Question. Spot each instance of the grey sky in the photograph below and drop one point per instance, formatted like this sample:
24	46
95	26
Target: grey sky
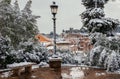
68	13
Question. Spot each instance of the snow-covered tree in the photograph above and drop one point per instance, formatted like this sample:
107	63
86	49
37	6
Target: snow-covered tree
94	55
5	48
29	21
20	28
93	18
111	62
6	17
105	51
8	22
16	8
18	25
103	55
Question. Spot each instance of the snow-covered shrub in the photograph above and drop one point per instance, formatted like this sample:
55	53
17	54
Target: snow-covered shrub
105	52
5	48
103	56
111	62
94	55
69	57
32	52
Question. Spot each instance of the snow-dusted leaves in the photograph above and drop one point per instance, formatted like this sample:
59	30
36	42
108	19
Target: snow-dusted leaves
111	62
105	52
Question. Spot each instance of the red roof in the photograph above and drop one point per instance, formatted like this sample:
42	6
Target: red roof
42	38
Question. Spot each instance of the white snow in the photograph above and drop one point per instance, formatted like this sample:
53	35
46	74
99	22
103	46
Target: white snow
103	55
33	76
112	62
19	64
2	70
117	72
50	47
65	75
35	66
94	12
94	51
100	74
55	57
118	34
43	64
68	42
96	21
69	65
75	73
6	74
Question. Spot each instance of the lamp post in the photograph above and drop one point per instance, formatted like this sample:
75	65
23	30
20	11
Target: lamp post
54	9
55	61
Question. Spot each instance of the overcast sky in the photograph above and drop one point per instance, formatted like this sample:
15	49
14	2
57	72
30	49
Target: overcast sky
68	13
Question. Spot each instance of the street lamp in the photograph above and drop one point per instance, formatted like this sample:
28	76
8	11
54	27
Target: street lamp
54	9
55	61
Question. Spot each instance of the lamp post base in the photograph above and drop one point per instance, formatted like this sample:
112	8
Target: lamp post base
55	62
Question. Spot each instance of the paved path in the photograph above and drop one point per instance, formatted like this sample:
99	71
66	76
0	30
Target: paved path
66	73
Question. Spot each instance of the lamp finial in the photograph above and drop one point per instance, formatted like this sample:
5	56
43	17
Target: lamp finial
53	2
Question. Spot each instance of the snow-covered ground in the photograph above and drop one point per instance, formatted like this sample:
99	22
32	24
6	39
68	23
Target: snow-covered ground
5	74
75	73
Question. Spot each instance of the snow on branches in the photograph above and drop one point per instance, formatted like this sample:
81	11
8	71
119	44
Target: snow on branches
105	52
92	3
93	18
20	28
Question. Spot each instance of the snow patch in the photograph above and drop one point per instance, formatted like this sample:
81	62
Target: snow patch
43	64
5	74
75	73
19	64
100	74
33	76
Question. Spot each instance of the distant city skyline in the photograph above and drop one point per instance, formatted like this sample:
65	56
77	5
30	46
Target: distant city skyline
68	13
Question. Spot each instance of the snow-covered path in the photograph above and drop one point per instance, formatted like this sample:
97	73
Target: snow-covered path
68	72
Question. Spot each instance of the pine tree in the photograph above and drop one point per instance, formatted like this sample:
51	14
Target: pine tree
93	18
5	48
105	51
7	20
29	21
16	8
20	27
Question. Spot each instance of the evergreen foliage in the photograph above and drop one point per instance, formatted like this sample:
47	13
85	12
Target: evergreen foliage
5	48
18	25
105	52
17	34
93	18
